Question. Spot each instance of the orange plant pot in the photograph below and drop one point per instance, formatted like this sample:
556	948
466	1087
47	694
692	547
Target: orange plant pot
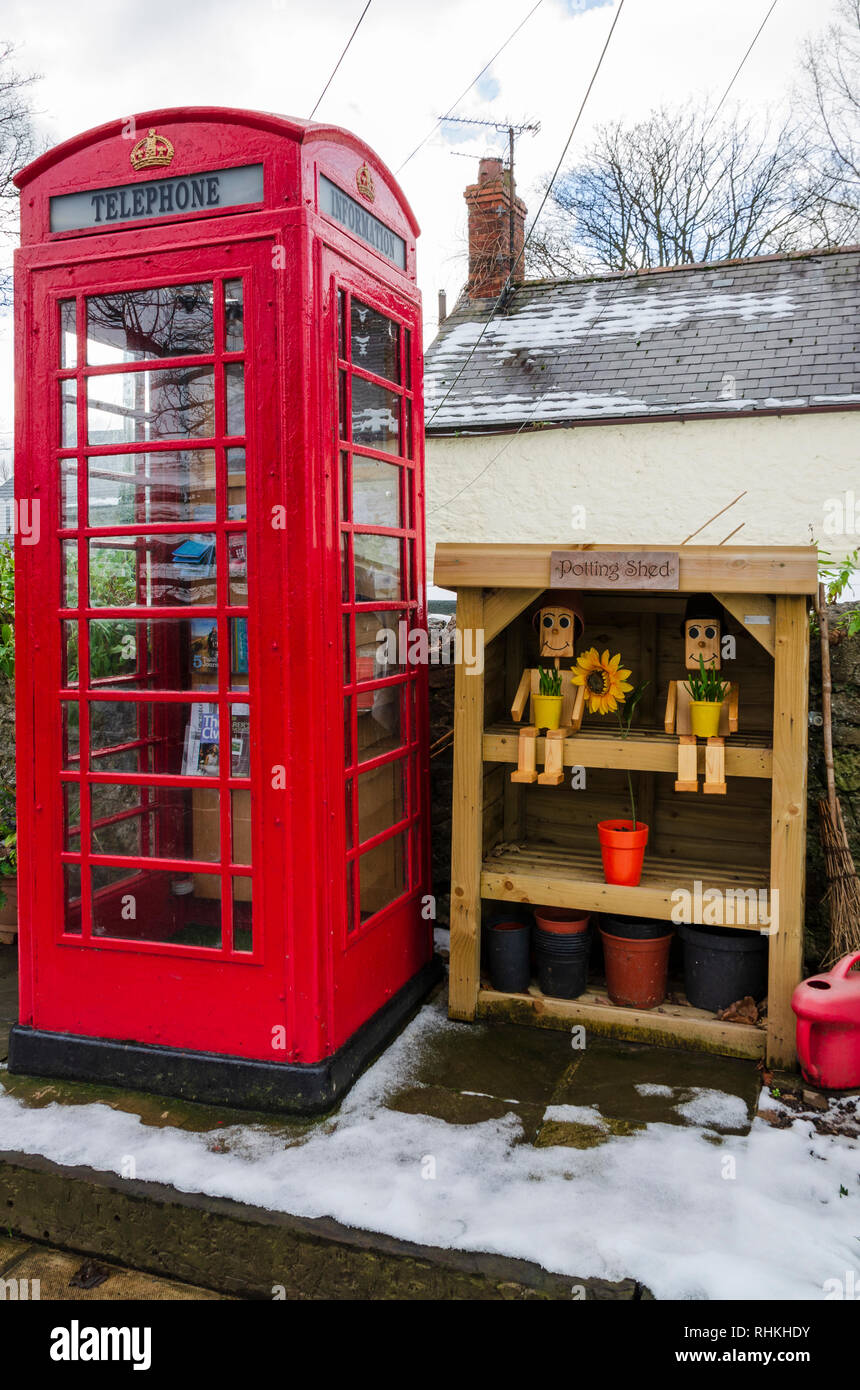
623	849
636	969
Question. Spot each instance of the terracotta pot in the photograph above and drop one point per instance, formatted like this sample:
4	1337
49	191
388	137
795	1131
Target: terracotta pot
705	717
561	921
623	849
9	910
636	969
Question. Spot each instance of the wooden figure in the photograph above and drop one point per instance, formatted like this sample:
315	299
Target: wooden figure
557	617
703	624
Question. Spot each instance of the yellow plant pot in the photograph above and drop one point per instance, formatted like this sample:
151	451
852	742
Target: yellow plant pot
547	710
705	717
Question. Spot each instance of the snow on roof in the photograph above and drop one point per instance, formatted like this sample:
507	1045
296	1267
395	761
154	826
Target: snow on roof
772	333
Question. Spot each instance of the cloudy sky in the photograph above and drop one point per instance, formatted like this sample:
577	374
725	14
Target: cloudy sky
411	59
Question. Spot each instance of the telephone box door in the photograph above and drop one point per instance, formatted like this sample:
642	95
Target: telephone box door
152	920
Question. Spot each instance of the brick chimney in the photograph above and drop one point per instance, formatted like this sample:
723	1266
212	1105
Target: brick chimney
489	204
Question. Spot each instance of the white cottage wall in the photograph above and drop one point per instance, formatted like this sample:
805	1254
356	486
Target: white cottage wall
652	483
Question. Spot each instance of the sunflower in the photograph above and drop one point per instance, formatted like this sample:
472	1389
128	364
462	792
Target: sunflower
605	681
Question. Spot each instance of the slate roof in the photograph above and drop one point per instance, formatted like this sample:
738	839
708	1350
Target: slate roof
767	334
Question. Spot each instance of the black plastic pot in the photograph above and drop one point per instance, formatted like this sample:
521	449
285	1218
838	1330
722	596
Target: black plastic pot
722	965
562	963
636	928
508	948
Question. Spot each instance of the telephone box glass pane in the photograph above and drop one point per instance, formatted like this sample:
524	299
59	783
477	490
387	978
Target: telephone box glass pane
381	799
240	814
152	571
72	899
234	316
118	736
153	654
375	492
133	325
69	653
237	507
144	736
237	553
234	382
344	567
382	875
243	929
68	334
375	342
161	905
377	568
69	413
240	741
71	735
375	416
72	816
239	653
377	644
160	822
136	407
70	574
130	489
379	721
68	494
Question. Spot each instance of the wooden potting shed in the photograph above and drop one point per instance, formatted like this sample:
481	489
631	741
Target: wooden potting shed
538	845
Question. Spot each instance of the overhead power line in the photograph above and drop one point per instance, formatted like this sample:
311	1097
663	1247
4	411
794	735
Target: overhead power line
739	68
465	92
340	60
591	327
549	188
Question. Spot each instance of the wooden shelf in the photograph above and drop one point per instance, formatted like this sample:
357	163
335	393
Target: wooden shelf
545	875
669	1025
645	750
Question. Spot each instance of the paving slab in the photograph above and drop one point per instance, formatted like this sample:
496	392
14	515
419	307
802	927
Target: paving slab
459	1108
499	1060
631	1085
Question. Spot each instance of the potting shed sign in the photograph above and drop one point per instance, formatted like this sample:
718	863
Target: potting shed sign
614	569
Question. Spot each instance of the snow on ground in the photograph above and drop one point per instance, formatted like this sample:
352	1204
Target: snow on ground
688	1212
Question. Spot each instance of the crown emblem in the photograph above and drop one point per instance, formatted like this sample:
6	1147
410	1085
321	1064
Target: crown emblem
151	152
364	183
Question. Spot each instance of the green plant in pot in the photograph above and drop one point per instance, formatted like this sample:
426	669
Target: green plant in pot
707	691
548	699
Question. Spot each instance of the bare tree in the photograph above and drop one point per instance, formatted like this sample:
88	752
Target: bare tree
679	188
832	68
17	147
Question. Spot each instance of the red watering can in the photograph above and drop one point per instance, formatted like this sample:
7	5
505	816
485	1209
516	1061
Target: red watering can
828	1026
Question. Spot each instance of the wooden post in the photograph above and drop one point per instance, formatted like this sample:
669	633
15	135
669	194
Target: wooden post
788	822
466	820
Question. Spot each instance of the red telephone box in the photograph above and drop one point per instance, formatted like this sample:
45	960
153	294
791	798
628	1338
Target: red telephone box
222	753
